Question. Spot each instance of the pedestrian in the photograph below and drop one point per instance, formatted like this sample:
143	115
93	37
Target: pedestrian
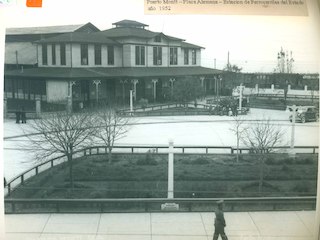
18	116
23	116
219	223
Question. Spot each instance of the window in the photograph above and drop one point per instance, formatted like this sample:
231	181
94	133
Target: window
97	54
157	55
194	57
186	56
84	54
157	38
173	56
110	55
63	54
140	55
53	48
44	54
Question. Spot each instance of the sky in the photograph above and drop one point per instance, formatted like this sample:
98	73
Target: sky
252	41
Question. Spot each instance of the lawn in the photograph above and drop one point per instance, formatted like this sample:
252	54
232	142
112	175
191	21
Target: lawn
145	175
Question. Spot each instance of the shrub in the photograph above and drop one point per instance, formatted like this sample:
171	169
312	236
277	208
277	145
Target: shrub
285	168
148	160
143	102
304	161
200	161
301	187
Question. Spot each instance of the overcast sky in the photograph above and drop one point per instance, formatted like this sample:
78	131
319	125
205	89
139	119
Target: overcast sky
253	41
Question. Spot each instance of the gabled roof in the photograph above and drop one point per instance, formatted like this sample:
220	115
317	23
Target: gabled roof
50	29
130	23
78	37
122	32
189	45
127	72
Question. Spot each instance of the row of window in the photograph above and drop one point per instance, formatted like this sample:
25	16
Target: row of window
53	54
84	55
157	56
139	55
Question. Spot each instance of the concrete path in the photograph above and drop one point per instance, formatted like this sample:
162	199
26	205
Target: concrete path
159	226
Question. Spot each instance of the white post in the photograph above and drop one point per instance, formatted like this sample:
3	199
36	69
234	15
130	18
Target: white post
293	129
131	101
305	88
289	87
170	170
272	87
97	83
154	81
257	88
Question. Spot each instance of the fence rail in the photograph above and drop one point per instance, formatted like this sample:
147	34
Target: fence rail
154	204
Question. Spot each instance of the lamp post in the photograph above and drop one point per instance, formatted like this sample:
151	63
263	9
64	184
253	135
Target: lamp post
97	83
293	123
69	98
154	81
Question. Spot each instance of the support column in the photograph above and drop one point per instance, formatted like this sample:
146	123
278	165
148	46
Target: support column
203	85
123	82
97	83
38	107
154	81
172	80
5	108
171	170
134	82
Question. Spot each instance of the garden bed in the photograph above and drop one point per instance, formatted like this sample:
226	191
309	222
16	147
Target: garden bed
145	175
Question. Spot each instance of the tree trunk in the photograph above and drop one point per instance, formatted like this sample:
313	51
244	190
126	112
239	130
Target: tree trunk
70	170
109	155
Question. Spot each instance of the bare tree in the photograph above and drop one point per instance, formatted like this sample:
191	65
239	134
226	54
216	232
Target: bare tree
238	128
262	137
112	127
61	133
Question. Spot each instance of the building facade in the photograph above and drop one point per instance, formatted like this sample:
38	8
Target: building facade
94	66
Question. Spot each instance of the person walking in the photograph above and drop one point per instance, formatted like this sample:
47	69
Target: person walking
219	223
23	115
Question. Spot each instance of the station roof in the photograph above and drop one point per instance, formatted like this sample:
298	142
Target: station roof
123	72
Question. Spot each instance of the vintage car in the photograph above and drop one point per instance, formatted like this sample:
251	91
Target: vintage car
305	114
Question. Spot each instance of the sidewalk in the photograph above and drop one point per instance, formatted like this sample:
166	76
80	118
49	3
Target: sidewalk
159	226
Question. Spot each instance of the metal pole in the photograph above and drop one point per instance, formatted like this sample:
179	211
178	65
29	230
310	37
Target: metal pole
240	98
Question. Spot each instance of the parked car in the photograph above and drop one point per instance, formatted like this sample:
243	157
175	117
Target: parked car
305	114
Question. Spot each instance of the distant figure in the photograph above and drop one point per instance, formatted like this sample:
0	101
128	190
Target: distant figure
18	116
23	115
219	223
